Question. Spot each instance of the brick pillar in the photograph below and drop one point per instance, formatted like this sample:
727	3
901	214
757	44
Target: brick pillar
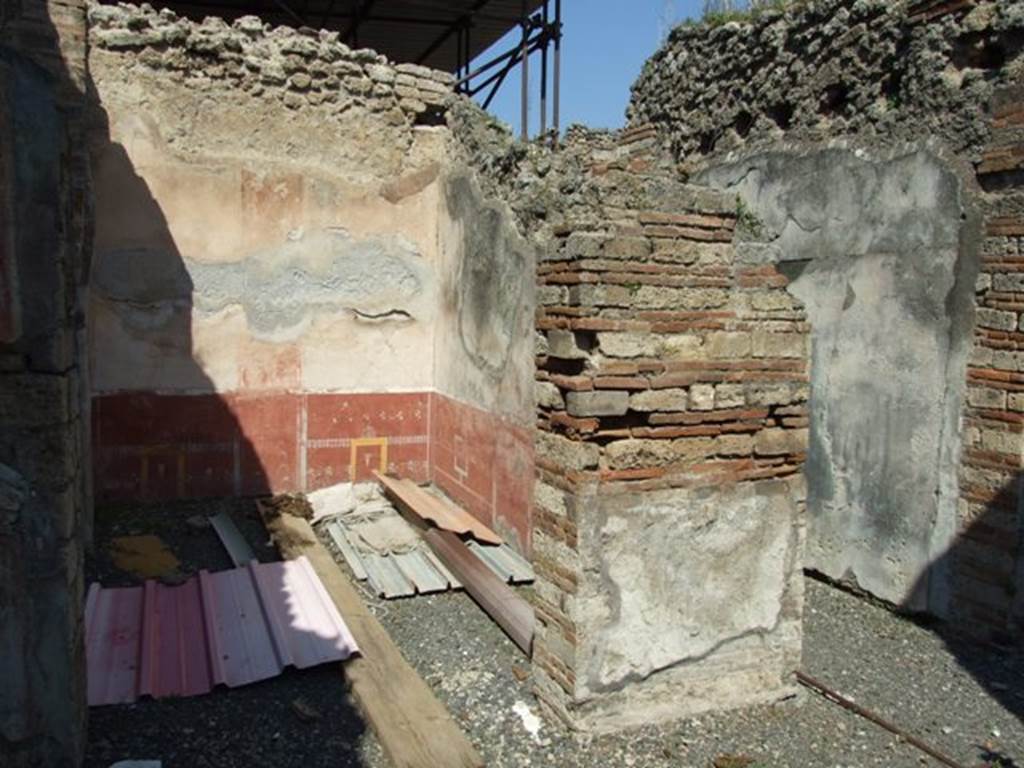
672	388
986	562
44	230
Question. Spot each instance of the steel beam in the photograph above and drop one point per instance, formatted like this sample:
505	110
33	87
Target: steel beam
444	36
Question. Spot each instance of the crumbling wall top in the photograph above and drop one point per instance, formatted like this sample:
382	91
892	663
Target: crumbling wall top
816	71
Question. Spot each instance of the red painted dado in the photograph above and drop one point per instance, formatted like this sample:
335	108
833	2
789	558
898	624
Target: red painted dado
485	463
156	447
159	447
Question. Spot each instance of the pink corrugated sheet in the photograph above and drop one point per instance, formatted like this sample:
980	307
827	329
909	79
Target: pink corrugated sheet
231	628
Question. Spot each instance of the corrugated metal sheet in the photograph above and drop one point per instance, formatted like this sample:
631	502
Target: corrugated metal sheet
385	577
232	628
404	574
504	561
234	542
417	569
340	538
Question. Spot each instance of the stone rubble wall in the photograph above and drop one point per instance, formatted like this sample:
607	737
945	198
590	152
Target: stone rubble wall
299	68
44	497
819	70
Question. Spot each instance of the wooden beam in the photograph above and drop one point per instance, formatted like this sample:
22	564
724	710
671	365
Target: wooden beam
443	37
511	612
414	728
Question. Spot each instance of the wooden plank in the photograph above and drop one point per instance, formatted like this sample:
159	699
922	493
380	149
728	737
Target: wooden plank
428	507
414	728
417	569
234	542
340	539
511	612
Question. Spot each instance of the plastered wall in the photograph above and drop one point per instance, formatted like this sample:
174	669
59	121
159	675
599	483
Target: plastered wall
876	150
281	247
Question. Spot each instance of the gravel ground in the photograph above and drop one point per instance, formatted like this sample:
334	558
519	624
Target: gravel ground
965	700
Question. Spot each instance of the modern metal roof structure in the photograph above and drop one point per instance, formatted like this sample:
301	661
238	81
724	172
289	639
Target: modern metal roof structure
442	34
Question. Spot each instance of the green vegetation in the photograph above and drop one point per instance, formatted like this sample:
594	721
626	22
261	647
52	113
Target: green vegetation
719	12
746	220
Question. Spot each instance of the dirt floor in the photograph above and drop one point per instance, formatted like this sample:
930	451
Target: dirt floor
965	700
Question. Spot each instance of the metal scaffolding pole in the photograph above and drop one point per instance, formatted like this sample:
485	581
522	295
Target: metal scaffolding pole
525	90
558	69
544	75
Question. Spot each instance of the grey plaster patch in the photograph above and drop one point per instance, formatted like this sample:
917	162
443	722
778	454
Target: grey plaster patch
683	575
490	293
836	203
877	252
280	289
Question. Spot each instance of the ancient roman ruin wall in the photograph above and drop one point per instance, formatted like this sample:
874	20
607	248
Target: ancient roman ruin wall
291	287
671	392
877	148
44	499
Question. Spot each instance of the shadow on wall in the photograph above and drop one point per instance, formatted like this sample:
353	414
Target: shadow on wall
157	275
986	600
188	461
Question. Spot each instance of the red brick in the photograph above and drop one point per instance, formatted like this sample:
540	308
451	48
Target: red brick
620	382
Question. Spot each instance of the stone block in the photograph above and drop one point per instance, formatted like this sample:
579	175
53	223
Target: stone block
997	319
616	344
647	454
566	453
778	442
640	454
702	397
584	244
986	397
727	345
730	396
606	402
783	393
548	395
680	346
788	345
627	248
674	399
562	344
734	445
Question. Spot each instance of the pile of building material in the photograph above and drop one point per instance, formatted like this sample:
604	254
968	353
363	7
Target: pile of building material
440	522
384	550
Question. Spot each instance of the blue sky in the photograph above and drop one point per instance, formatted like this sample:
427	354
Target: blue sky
604	44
